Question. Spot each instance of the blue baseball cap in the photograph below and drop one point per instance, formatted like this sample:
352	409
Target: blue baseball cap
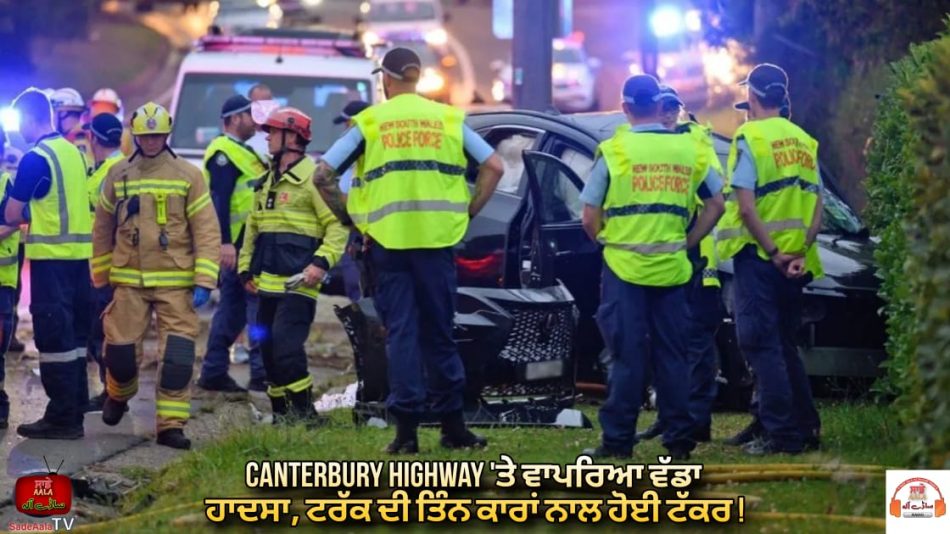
668	93
764	77
107	128
641	89
234	105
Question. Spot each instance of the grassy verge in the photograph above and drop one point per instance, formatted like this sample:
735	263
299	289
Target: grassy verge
852	434
116	53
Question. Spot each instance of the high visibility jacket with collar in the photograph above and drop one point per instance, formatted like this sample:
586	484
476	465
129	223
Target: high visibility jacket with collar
707	247
60	224
9	248
651	196
411	191
289	227
786	190
172	238
94	184
251	168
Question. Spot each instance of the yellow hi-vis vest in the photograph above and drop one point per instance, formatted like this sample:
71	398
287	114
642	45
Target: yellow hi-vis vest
707	247
411	191
94	183
650	199
60	225
786	190
9	268
251	167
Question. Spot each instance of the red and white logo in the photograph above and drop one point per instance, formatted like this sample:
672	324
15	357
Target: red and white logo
915	501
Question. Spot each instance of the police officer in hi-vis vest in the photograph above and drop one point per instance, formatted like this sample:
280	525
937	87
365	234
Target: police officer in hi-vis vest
703	294
772	219
232	170
638	203
51	180
410	199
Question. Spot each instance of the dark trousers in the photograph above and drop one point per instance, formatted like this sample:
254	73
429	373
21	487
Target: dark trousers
61	297
768	316
236	308
285	325
704	320
415	298
639	323
7	313
102	298
351	272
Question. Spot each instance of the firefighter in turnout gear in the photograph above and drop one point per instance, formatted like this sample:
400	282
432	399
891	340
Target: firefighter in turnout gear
156	241
291	240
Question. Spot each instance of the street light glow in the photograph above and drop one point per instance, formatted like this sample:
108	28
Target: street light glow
10	119
666	21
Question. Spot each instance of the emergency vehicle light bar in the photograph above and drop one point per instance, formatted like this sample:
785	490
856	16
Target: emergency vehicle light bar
280	45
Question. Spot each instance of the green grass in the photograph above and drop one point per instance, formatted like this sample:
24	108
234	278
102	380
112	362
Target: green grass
852	434
115	54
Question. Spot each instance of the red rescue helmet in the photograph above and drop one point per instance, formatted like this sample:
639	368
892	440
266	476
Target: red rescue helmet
287	118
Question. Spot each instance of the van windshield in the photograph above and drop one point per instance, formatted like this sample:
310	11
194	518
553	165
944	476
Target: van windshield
197	117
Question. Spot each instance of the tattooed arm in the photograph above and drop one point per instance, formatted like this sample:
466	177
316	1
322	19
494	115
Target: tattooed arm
327	184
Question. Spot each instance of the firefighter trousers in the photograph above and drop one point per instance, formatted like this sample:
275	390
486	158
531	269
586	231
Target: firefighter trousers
126	321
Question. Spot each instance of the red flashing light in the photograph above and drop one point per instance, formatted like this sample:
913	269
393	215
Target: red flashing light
280	45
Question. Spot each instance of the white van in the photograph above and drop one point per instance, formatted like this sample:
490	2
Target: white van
319	75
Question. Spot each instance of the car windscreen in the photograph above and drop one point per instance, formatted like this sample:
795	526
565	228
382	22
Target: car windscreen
197	117
401	11
568	55
838	217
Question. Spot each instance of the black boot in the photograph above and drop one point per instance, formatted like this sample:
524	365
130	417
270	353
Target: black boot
702	434
300	408
455	435
174	438
43	429
278	407
748	434
113	410
407	441
653	431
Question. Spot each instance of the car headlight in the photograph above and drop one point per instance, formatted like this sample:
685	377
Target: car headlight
437	37
312	3
371	38
498	90
430	82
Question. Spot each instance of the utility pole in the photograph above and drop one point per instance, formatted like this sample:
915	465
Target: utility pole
531	49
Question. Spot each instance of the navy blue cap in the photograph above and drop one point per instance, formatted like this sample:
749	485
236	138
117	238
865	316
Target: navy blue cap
764	77
641	89
398	61
351	110
107	127
668	93
234	105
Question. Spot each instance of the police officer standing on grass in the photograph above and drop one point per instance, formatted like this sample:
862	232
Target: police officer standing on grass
772	219
702	295
51	180
232	170
410	199
351	273
638	202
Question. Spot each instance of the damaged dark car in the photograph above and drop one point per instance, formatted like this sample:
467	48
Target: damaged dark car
529	284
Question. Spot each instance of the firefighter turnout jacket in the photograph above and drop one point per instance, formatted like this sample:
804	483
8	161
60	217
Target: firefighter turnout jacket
290	227
155	226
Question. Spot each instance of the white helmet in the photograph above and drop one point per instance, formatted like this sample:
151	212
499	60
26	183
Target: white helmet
107	96
67	99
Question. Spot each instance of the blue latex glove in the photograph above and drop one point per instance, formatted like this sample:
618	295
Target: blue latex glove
202	295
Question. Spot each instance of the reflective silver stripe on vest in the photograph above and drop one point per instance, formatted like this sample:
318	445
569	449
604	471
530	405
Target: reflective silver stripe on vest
404	206
774	226
58	239
60	357
412	165
10	260
60	192
650	248
710	274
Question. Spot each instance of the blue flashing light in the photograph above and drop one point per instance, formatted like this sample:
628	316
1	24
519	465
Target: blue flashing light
10	119
667	21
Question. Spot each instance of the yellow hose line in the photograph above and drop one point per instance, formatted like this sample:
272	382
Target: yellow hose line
772	476
735	468
872	522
